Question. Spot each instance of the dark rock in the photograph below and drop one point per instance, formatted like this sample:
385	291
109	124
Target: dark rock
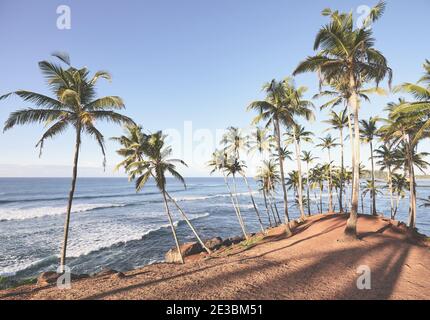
47	277
119	275
214	243
105	272
187	249
235	240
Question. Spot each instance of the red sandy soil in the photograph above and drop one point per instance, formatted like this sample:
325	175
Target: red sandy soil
312	264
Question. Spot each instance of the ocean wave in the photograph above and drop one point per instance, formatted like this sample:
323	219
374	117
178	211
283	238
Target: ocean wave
221	195
87	243
7	214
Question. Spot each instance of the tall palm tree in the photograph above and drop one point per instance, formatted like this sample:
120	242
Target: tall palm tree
400	185
339	121
297	134
268	176
219	163
283	102
155	163
387	162
328	143
234	167
308	158
234	141
373	190
403	130
74	105
368	132
317	177
347	54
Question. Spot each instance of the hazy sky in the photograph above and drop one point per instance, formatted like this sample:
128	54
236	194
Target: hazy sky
175	61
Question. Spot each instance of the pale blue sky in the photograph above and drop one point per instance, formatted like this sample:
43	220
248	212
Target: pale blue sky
174	61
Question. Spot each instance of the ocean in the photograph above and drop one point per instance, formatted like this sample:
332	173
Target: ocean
113	226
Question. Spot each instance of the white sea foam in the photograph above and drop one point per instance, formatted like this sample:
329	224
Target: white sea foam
85	240
31	213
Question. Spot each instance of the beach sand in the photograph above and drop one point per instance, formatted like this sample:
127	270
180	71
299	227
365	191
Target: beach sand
312	264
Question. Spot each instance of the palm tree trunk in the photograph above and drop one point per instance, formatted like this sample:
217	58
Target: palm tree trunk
299	170
281	169
342	169
238	207
253	202
166	206
308	189
239	218
373	181
390	187
69	205
351	225
321	202
189	223
412	197
267	208
330	187
276	210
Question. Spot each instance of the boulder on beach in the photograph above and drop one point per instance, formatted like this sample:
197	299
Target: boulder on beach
47	277
214	243
187	249
106	272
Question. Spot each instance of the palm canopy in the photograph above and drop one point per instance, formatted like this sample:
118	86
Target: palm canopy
283	102
261	141
369	129
308	157
345	52
75	103
328	142
298	133
155	162
387	158
419	109
235	141
337	120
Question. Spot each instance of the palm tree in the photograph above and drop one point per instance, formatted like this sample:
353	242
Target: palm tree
155	163
260	141
234	141
268	177
387	162
296	135
74	105
328	143
421	107
317	178
368	132
403	130
347	55
339	121
233	167
219	163
308	158
400	184
372	189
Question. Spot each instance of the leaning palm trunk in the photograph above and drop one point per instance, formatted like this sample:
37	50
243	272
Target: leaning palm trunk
308	190
239	218
253	202
351	225
281	169
299	170
189	223
373	181
412	197
321	202
238	207
390	187
69	205
267	208
172	226
342	171
330	185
